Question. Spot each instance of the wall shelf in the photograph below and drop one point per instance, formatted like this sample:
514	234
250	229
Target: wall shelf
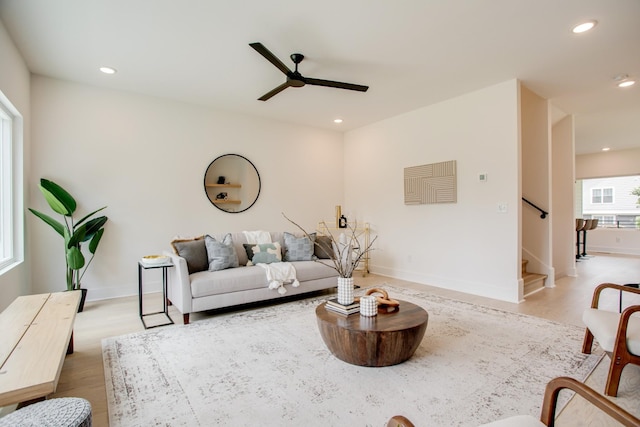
224	185
226	202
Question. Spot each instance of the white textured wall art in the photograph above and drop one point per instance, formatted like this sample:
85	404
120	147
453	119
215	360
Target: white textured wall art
434	183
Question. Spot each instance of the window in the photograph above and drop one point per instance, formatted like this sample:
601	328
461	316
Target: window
601	195
11	224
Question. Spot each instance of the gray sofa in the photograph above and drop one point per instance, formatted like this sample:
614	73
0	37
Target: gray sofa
193	288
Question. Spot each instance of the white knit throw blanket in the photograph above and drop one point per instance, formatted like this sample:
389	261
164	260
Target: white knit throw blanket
257	237
279	273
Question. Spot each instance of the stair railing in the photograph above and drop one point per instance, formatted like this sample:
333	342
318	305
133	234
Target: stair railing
543	213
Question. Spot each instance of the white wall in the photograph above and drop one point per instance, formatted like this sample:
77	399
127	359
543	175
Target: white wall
611	163
562	205
468	245
145	158
14	83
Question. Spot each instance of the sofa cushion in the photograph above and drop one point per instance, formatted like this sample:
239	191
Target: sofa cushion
263	253
313	270
221	255
322	249
194	251
231	280
298	248
206	283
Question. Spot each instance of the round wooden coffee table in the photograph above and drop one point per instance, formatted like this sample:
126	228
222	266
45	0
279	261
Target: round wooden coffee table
383	340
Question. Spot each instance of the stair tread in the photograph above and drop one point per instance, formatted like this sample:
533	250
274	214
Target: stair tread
533	275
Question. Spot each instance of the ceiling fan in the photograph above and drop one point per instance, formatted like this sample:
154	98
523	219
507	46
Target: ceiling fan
294	78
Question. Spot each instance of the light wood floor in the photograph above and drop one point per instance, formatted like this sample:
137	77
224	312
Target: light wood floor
83	374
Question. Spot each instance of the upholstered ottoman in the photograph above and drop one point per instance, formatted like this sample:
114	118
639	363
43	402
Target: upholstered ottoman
60	412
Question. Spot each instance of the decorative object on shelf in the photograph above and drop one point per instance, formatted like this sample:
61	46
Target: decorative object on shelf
236	169
433	183
348	252
345	290
342	223
368	306
74	232
383	300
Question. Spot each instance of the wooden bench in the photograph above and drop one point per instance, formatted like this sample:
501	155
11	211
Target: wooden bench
37	333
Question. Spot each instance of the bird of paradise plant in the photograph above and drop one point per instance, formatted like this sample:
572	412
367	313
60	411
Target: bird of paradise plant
74	232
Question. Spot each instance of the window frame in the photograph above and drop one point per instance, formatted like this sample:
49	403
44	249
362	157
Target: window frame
11	186
601	196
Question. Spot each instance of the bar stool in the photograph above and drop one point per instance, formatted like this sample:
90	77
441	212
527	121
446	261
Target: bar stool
591	226
579	227
587	226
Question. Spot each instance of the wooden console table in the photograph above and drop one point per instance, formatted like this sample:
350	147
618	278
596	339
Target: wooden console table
37	333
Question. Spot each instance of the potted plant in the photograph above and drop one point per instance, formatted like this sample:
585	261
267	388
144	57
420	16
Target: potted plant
347	254
74	232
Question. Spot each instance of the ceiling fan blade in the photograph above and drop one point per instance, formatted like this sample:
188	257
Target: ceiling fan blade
275	91
259	47
340	85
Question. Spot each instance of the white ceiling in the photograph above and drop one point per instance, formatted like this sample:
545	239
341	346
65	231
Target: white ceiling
411	53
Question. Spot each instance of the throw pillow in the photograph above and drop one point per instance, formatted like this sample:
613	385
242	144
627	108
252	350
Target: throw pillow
322	249
193	251
263	253
221	255
298	248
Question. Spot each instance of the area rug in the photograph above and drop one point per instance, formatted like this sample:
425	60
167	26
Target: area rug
269	367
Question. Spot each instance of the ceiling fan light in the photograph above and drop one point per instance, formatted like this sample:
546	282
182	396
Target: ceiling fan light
606	149
337	120
584	27
627	83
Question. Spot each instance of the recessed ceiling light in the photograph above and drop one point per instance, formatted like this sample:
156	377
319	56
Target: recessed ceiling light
108	70
606	149
627	83
337	121
585	26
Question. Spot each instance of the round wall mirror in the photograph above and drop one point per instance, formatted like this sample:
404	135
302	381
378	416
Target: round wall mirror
232	183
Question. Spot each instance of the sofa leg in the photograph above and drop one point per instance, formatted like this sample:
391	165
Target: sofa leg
169	302
185	318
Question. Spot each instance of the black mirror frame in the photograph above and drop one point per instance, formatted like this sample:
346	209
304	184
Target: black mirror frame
254	168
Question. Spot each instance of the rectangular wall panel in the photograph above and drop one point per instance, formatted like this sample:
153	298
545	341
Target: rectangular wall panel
433	183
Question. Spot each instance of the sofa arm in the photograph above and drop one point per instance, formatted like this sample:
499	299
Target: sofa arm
179	287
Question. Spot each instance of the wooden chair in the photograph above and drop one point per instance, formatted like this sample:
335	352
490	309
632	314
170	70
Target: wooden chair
549	404
617	333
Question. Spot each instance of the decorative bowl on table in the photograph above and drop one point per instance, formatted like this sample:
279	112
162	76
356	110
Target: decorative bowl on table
155	259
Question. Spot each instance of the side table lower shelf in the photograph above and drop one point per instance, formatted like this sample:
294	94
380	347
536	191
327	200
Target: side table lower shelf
165	309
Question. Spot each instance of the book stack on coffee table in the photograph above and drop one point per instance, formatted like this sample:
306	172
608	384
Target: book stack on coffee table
336	307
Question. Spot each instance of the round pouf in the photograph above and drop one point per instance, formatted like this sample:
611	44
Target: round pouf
59	412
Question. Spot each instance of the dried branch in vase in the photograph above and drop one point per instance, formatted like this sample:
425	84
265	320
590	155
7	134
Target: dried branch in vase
347	253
